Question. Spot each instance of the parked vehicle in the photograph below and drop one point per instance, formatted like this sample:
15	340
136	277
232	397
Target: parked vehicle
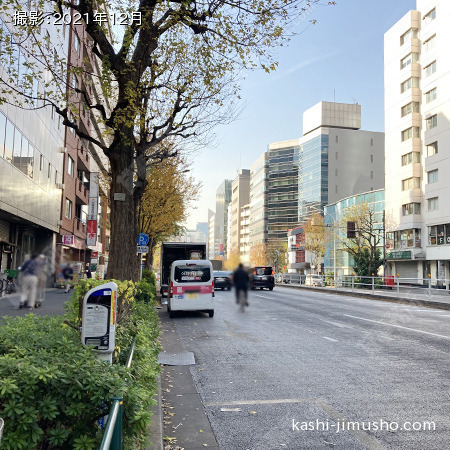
191	287
314	280
174	251
222	279
293	278
262	277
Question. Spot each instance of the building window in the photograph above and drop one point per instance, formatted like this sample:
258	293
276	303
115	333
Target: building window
430	69
371	174
70	166
429	43
412	33
410	132
429	17
68	209
431	122
430	95
336	172
74	82
371	143
410	183
432	149
411	208
433	204
409	83
433	176
337	139
77	44
411	157
41	162
409	59
49	172
371	158
410	108
336	156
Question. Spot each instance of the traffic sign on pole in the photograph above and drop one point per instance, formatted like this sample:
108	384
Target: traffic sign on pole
142	239
142	249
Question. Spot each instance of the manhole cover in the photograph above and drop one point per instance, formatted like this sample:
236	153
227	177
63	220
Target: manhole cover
176	359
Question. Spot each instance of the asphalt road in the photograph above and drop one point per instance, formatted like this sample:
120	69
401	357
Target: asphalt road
306	370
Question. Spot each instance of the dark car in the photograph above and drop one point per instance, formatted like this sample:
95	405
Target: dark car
222	280
262	277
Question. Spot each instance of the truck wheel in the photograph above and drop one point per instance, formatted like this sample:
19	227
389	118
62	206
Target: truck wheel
211	313
271	289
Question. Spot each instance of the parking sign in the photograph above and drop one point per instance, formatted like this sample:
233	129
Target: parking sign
142	239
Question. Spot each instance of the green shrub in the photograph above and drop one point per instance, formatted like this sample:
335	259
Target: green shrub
53	389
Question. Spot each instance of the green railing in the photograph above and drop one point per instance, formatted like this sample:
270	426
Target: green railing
112	437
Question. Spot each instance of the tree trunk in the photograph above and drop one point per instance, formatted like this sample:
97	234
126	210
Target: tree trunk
123	261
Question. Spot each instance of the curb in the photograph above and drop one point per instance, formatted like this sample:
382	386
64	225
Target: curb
156	427
379	297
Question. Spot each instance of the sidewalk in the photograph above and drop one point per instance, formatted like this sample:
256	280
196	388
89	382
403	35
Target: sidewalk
184	421
439	298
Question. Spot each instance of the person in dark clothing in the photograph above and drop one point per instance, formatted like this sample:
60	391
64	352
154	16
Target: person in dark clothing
240	282
68	276
88	271
30	270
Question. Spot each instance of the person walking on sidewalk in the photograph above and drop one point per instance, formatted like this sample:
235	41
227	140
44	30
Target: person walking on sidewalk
68	276
88	271
241	281
29	269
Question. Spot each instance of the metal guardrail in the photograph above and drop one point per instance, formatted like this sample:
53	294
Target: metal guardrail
112	437
432	286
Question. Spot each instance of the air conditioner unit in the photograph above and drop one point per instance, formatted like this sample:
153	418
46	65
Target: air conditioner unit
60	186
62	149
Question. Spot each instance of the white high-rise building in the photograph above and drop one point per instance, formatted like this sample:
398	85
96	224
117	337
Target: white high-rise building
417	116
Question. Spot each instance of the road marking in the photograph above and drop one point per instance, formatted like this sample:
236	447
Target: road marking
399	326
340	325
262	402
330	339
262	296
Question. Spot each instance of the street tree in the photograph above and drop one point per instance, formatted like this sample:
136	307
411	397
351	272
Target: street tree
277	255
169	192
170	69
365	245
233	259
258	255
317	238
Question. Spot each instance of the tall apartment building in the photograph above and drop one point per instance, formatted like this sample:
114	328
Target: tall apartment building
417	116
244	231
31	163
334	159
240	196
223	199
258	200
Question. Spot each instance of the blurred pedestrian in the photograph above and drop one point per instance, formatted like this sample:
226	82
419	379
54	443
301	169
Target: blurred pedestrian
88	271
68	276
30	270
241	281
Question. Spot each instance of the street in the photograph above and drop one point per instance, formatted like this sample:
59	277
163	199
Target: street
307	370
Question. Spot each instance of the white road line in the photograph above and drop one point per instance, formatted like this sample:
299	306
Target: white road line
329	339
340	325
399	326
262	296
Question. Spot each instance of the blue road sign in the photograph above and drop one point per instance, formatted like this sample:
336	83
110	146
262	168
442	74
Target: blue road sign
142	239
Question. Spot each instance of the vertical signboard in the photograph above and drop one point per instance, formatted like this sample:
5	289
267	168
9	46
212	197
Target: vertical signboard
91	235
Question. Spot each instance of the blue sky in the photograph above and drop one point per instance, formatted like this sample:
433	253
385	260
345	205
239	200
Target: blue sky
340	57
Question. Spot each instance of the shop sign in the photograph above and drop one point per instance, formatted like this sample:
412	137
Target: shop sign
401	254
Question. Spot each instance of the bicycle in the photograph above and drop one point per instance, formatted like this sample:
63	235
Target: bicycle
242	300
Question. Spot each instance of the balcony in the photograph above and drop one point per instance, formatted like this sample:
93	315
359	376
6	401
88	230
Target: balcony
79	228
82	191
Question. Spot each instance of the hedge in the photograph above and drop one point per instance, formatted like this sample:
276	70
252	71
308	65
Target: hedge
54	390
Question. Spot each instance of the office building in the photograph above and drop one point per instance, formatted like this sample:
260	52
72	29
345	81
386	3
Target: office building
223	199
240	196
